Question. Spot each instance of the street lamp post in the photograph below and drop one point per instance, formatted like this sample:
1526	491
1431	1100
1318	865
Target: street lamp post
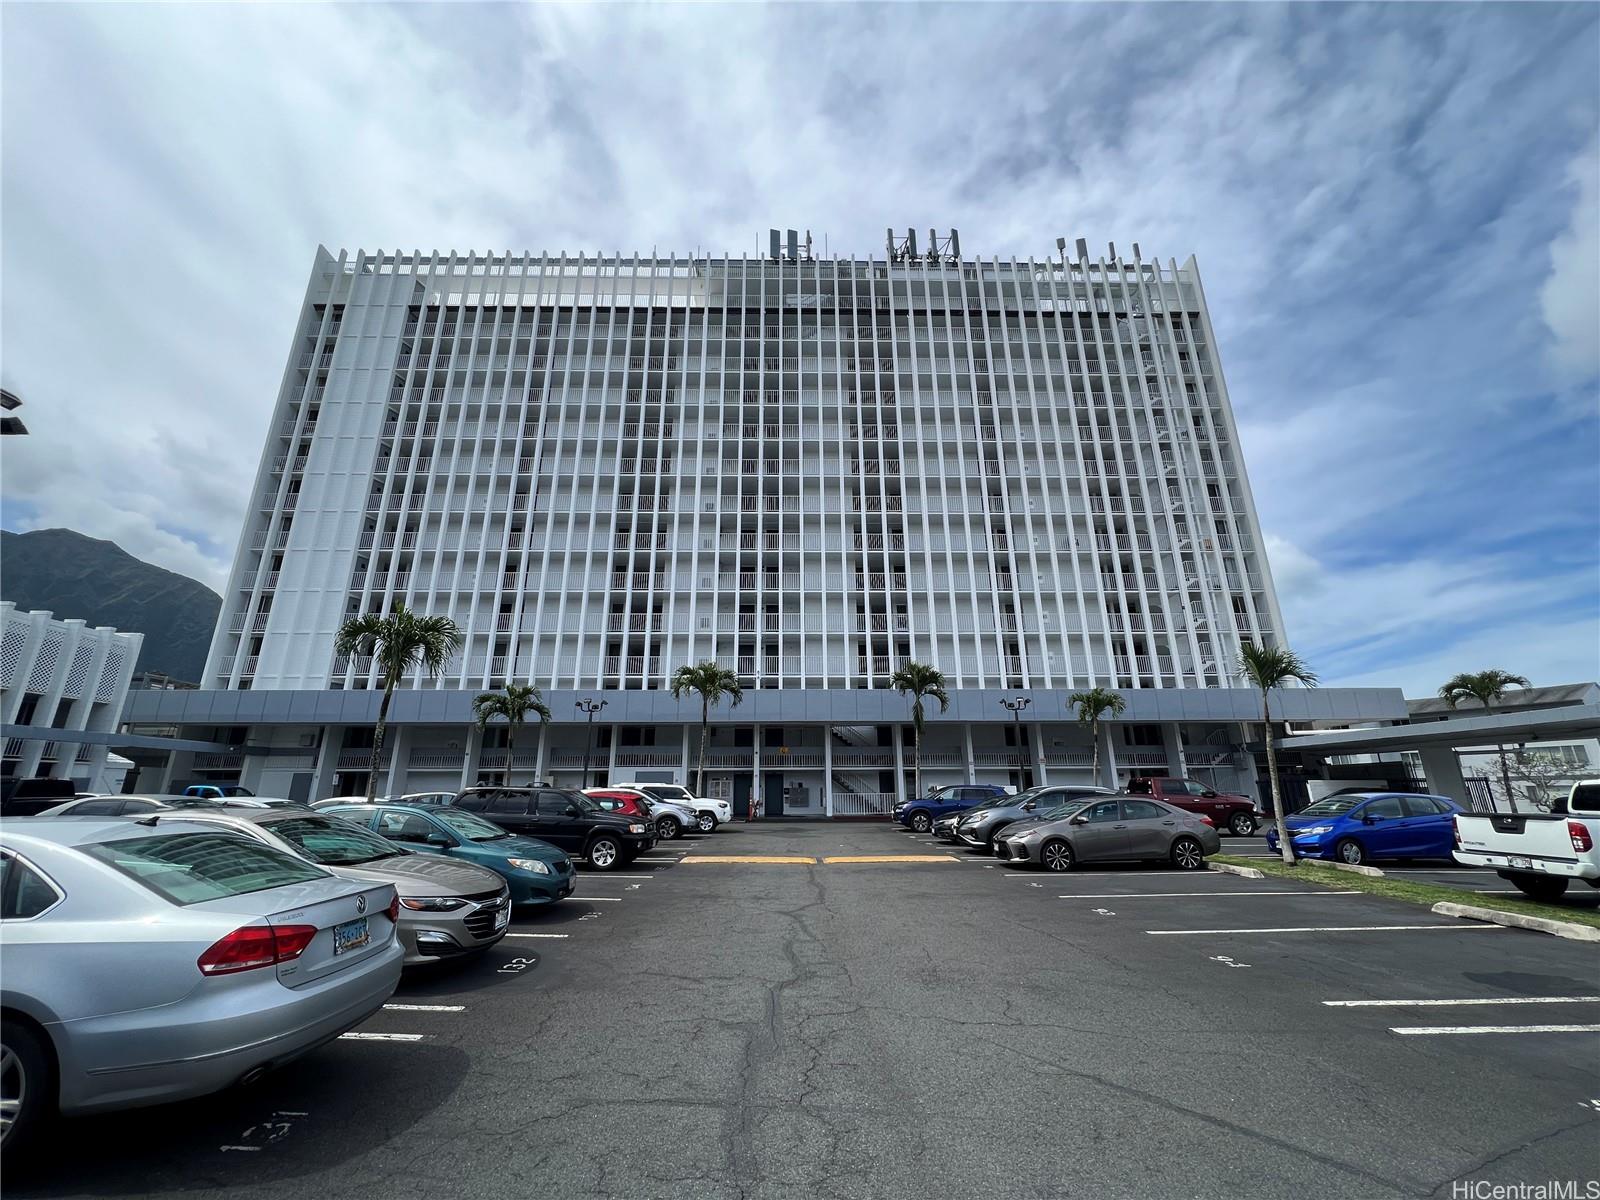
590	707
1016	706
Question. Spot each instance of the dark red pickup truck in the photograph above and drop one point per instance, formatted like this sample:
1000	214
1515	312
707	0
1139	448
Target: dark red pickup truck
1227	810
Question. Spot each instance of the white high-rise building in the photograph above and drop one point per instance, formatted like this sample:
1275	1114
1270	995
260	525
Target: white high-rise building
1025	473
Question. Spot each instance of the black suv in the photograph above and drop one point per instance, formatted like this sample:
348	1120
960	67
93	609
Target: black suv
563	818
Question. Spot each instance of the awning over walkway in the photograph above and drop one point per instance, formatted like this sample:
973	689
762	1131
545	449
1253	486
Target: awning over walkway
1482	729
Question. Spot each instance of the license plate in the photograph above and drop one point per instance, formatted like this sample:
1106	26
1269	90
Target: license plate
503	917
352	935
1516	860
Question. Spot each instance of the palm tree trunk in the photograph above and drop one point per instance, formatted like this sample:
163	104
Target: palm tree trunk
916	759
377	740
1505	777
511	751
1094	734
705	732
1278	822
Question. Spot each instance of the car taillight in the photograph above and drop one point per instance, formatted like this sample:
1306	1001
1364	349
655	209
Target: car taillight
1581	841
255	946
394	909
1207	820
1456	825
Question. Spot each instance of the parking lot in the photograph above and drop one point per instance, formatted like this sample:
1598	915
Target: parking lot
850	1011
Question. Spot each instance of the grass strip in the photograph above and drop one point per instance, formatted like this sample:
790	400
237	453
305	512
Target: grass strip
1427	894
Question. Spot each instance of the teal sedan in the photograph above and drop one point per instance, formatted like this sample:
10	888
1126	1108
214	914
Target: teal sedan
536	872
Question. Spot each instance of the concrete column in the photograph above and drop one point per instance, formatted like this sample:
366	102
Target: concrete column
469	764
687	761
611	761
827	770
11	698
1172	742
966	747
1040	776
1442	766
327	762
541	756
1250	781
1108	757
898	737
757	800
394	777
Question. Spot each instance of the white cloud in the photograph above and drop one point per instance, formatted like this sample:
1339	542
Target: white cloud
1570	297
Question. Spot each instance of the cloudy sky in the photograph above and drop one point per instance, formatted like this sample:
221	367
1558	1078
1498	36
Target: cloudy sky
1396	210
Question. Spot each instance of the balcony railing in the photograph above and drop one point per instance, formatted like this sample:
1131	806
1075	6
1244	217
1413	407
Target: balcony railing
862	804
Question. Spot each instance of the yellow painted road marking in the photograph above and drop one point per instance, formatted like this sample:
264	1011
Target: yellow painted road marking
891	858
756	859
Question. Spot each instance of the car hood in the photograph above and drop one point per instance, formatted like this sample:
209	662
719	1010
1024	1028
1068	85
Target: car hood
1298	822
425	875
520	847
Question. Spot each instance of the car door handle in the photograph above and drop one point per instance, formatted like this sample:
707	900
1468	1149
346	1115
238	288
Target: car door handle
1119	827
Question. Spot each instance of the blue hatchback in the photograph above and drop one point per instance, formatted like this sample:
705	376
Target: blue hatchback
536	872
1356	827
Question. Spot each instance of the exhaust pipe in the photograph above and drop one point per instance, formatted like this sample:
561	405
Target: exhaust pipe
252	1076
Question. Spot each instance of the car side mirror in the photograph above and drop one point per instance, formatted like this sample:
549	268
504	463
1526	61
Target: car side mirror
1029	806
1209	795
437	839
1370	819
1080	820
570	810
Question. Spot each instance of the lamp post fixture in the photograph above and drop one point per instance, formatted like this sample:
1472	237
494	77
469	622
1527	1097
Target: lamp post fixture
590	707
1016	706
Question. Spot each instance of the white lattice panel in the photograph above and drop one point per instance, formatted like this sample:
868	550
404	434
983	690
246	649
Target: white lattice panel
115	662
11	644
78	673
44	667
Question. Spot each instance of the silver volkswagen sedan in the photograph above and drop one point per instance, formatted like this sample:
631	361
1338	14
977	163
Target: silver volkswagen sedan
1107	829
140	965
447	908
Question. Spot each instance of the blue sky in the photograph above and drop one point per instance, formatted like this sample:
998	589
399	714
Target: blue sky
1396	210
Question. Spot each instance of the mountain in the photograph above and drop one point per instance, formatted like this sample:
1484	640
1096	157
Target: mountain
74	576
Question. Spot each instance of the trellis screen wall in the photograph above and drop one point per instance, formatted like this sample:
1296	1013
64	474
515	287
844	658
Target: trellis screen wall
1025	473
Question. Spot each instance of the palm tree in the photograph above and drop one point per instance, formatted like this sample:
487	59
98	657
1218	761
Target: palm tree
1486	687
513	704
711	682
1267	667
919	680
1092	705
400	642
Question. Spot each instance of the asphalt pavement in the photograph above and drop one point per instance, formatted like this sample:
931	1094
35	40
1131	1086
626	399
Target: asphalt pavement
936	1025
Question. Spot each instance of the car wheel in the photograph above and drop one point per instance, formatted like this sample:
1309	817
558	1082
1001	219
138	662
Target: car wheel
1056	856
1242	824
705	822
667	828
604	853
1350	851
1188	854
1539	887
921	822
25	1084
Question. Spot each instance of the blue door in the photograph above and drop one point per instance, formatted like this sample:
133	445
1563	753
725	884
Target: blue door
1384	832
1433	827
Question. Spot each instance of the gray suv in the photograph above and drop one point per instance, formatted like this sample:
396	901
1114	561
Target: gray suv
447	908
978	827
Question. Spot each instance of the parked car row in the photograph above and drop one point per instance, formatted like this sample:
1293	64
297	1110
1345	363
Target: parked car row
1226	811
164	947
1058	828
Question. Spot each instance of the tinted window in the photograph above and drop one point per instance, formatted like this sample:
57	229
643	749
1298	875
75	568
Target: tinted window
137	806
96	808
474	803
332	842
1585	798
1424	806
470	827
24	892
1105	810
607	803
403	826
187	868
508	802
555	804
1331	806
1144	810
1388	806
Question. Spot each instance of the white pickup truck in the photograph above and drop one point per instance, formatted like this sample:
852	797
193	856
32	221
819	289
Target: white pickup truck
1540	853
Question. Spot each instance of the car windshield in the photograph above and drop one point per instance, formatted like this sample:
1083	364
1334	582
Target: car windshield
473	828
333	842
187	868
1061	808
1331	806
584	803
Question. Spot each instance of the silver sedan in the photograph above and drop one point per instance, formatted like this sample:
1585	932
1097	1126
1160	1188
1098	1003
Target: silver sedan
1111	829
141	965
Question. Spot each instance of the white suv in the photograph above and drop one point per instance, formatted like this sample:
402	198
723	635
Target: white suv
708	813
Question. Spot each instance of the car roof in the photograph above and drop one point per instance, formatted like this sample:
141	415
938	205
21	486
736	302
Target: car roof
83	831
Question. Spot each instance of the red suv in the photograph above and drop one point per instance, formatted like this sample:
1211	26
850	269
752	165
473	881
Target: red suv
627	804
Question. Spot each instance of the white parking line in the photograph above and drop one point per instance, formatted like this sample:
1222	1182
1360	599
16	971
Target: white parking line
538	935
599	899
608	875
426	1007
1455	1003
1325	929
381	1037
1432	1030
1159	895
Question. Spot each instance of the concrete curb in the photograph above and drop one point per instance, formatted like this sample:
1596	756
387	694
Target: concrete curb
1563	929
1230	869
1353	868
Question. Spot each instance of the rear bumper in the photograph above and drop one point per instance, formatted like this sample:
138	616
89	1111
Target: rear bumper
1563	869
212	1038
